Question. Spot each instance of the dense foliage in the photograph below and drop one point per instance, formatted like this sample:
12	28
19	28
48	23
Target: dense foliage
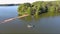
39	7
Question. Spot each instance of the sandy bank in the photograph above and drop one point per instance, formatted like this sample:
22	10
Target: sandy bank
10	19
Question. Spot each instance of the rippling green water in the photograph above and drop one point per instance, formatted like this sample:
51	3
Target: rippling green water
44	23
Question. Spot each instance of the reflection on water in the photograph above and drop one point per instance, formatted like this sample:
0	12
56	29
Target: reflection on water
38	17
44	23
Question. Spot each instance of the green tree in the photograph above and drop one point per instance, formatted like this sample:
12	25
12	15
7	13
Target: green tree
39	7
23	8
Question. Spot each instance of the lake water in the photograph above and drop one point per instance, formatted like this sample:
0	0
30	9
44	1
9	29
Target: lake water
45	23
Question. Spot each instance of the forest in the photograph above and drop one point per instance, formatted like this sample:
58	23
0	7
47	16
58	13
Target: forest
39	7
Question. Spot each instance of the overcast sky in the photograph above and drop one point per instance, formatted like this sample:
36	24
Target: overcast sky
19	1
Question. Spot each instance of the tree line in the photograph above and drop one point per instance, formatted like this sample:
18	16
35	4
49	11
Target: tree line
39	7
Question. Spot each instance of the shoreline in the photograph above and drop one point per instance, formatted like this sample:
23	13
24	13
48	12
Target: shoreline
10	19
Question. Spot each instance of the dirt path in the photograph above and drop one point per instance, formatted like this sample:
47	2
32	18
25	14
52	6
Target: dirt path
10	19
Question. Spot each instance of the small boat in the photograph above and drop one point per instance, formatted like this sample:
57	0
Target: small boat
30	26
